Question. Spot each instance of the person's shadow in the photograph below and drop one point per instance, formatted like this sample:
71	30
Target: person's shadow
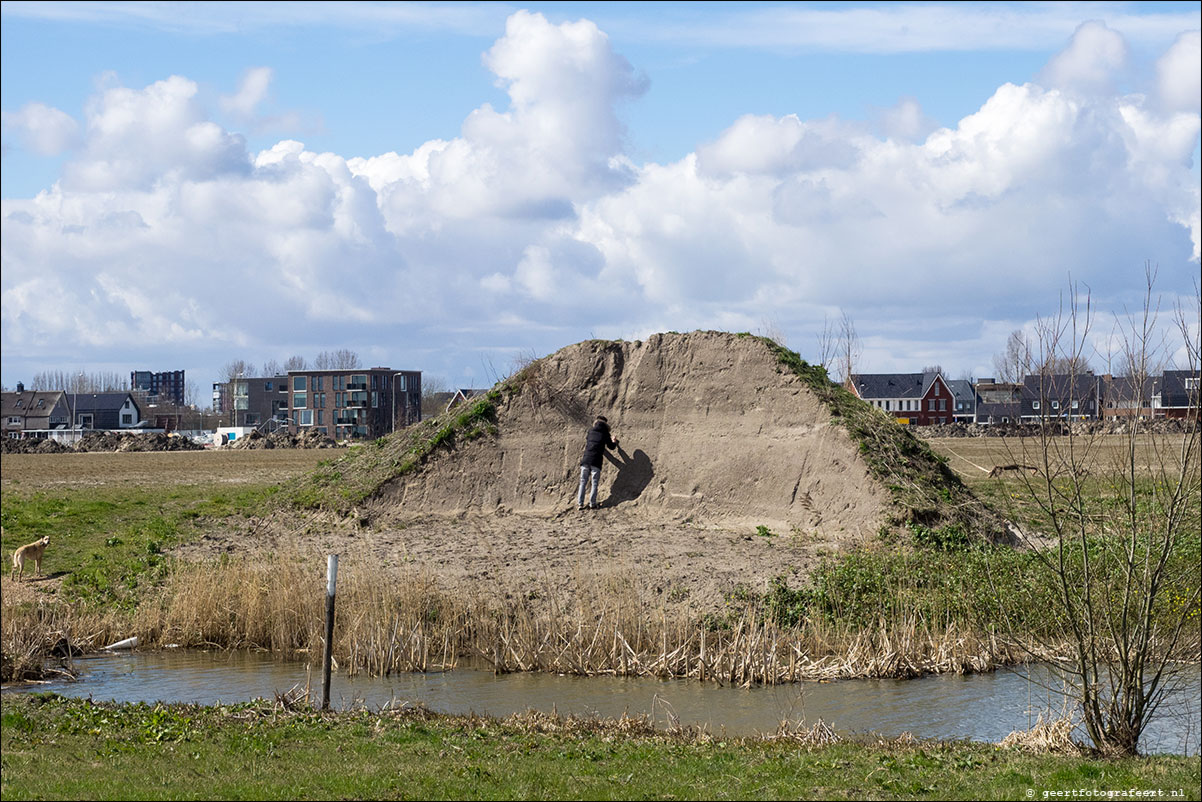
634	474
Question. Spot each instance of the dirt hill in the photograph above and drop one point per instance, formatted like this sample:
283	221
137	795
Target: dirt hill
706	423
721	427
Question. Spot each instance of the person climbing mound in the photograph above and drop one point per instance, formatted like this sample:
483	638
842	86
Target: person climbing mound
595	443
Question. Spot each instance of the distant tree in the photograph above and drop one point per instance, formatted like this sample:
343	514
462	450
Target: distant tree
79	381
342	359
432	386
191	393
849	348
272	368
238	368
933	369
295	363
1014	363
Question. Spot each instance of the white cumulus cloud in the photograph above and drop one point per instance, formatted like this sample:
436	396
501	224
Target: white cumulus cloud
42	129
535	226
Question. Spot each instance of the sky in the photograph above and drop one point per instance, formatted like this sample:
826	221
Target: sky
453	188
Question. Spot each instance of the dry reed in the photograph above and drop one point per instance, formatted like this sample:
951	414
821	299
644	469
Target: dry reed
1052	736
400	620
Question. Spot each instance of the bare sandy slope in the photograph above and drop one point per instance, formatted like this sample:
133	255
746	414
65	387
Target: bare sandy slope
709	426
716	441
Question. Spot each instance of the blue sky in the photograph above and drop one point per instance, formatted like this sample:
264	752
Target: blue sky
446	186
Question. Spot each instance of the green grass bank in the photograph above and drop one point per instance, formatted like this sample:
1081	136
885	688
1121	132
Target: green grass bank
56	748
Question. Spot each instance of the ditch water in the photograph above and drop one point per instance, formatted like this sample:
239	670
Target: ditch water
983	707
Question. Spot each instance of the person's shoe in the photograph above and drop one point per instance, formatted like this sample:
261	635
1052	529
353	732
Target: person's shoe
579	507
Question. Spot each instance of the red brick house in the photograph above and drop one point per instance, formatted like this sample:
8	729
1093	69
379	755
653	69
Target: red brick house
915	399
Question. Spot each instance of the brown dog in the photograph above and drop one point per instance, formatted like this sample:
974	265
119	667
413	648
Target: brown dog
30	551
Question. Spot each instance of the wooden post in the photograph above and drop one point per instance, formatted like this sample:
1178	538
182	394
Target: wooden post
331	581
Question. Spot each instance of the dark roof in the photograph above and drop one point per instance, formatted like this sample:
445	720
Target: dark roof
29	402
961	388
89	402
1060	385
1173	392
998	410
1125	388
893	385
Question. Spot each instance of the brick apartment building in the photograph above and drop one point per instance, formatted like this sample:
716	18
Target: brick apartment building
252	401
359	403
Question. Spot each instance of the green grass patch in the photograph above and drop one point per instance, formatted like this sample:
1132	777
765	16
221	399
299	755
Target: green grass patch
255	751
110	539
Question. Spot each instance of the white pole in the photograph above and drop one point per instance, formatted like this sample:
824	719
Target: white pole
331	582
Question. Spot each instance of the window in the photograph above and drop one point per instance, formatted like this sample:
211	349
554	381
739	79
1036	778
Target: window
943	405
20	404
299	400
318	417
41	403
404	383
1034	405
375	398
1074	403
268	387
930	405
1055	405
14	420
886	405
300	383
304	417
1191	383
127	419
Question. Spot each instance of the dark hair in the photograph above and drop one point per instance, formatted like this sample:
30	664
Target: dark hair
602	418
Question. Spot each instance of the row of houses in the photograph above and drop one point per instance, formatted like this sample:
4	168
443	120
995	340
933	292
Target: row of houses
926	399
341	403
40	413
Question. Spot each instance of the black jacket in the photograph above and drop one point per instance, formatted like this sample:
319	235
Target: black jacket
595	444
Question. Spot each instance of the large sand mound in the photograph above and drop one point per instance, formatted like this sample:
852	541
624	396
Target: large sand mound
709	423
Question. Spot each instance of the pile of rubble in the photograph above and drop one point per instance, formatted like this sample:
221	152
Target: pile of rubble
103	441
31	446
308	438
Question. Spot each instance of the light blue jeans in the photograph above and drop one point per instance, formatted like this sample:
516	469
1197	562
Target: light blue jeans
585	471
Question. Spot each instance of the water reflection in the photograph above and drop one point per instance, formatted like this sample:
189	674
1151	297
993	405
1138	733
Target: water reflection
982	707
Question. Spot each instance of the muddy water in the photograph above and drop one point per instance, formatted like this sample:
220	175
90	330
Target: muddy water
981	707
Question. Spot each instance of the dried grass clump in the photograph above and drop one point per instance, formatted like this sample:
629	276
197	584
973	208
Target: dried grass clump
1053	736
818	734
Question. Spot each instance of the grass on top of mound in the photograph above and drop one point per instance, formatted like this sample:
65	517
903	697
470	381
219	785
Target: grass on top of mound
340	484
928	497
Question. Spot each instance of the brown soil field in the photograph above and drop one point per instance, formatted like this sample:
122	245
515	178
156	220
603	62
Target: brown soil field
972	458
31	472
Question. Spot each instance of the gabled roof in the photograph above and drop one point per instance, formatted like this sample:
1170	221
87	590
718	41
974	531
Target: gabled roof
893	385
37	403
92	402
961	389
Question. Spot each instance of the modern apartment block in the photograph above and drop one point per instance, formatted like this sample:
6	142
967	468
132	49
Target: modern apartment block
358	403
167	385
252	401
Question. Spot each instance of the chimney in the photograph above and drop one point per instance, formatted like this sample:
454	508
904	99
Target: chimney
20	387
